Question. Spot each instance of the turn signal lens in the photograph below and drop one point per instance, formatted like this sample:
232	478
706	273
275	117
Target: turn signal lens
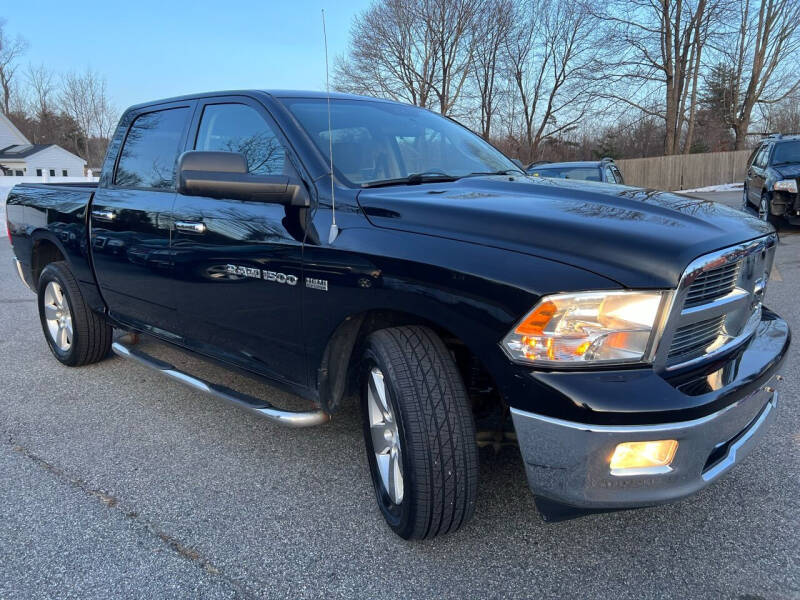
642	458
586	327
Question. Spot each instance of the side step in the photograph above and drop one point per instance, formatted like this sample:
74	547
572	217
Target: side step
123	347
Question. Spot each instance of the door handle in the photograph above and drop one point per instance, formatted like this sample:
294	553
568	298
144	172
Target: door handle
190	226
104	215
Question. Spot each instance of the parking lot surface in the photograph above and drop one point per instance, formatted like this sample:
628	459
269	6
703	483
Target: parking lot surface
117	483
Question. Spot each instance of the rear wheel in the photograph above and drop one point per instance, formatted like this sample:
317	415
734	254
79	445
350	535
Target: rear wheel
76	335
419	433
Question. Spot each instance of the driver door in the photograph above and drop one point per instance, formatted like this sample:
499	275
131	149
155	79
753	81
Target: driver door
238	264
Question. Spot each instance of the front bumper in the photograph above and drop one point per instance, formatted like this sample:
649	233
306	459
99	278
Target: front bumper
568	462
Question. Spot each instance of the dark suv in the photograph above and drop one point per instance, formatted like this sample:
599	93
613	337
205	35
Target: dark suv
604	170
773	171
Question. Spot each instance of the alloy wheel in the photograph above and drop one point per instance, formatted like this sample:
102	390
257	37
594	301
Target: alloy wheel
385	436
763	209
57	316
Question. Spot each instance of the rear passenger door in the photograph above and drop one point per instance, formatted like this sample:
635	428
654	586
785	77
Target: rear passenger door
239	263
131	219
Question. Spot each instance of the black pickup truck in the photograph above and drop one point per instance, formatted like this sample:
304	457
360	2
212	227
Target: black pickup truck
350	248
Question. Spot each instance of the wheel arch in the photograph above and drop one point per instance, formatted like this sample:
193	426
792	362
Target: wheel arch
337	373
46	248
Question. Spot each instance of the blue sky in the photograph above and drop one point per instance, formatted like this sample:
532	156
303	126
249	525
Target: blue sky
153	49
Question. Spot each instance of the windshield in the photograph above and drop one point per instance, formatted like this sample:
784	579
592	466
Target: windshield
382	141
584	173
786	152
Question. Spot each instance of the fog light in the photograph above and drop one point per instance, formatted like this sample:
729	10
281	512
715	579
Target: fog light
643	458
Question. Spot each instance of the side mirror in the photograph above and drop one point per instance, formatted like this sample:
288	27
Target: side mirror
224	175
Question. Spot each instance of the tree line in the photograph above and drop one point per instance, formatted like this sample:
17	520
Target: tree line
71	109
560	79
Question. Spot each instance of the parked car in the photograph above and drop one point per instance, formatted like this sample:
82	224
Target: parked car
604	170
773	174
417	269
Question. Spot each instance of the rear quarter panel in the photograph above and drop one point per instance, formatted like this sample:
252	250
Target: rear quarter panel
41	213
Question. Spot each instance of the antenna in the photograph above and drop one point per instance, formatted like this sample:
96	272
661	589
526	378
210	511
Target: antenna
334	232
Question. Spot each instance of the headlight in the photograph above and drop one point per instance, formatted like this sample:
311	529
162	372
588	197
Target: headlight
786	185
587	327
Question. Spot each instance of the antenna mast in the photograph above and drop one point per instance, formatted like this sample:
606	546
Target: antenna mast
334	232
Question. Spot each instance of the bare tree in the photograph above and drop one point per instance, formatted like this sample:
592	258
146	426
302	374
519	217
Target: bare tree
659	48
549	54
762	54
391	54
417	51
83	97
451	26
782	116
42	86
491	33
11	49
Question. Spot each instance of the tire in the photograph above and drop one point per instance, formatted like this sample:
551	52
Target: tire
431	432
76	335
765	214
745	201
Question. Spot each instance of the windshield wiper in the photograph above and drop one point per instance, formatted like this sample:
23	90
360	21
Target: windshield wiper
413	179
503	172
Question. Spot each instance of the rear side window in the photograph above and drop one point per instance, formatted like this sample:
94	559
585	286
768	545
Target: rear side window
583	173
761	156
240	128
151	149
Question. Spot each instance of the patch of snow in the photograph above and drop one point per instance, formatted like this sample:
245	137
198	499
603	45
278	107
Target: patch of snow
725	187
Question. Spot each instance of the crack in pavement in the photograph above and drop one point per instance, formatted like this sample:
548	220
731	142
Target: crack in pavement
112	502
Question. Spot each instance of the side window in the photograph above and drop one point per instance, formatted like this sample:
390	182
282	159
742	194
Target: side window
239	128
610	175
151	148
761	156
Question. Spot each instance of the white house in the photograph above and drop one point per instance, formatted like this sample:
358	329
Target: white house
18	157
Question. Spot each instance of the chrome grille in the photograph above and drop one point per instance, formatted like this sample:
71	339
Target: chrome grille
696	337
717	305
713	284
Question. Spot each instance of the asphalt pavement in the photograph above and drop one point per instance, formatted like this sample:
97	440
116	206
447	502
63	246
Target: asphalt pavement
117	483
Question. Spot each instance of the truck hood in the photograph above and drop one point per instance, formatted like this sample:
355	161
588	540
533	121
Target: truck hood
639	238
788	171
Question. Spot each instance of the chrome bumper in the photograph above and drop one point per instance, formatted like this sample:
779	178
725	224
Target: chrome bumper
569	462
21	273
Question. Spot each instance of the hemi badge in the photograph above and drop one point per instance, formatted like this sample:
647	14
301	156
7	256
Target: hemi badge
317	284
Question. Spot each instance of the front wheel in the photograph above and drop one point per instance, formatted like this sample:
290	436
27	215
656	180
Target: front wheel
745	201
419	433
765	212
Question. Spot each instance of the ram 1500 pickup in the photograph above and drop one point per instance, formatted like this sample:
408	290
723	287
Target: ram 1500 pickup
345	247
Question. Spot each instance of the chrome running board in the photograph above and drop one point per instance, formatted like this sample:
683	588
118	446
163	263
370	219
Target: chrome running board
123	347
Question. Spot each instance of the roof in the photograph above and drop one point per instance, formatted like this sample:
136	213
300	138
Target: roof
20	151
561	165
12	128
273	93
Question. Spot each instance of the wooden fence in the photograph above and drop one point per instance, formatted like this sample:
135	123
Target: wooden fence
685	172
